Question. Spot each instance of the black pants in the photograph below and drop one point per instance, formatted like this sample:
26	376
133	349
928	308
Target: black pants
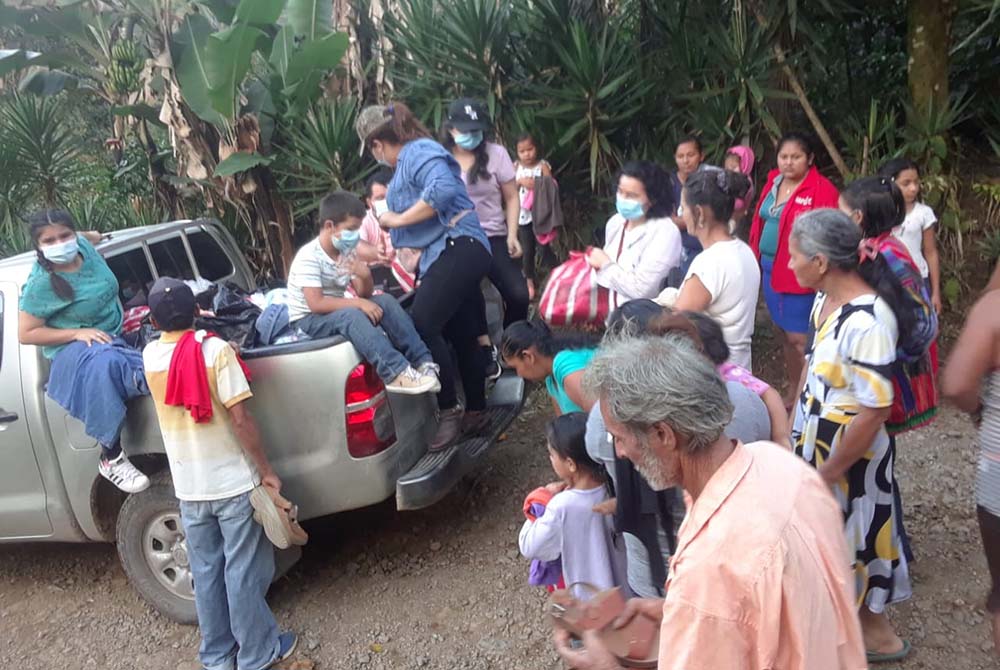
505	273
530	246
448	307
989	527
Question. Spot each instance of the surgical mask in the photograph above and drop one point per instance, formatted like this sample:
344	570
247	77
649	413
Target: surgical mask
380	207
347	241
629	209
62	253
469	141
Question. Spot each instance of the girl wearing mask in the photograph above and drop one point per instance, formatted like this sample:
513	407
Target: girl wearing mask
429	212
845	399
642	245
795	187
70	308
489	177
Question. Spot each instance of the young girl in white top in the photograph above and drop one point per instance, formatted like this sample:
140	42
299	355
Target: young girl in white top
641	243
570	528
918	229
529	166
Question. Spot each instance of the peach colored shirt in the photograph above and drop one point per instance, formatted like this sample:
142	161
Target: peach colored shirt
762	578
373	234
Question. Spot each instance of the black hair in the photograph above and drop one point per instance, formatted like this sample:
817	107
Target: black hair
566	436
658	187
38	222
339	205
691	139
716	190
894	166
833	234
527	137
381	176
712	339
177	322
802	139
522	335
481	157
633	317
880	203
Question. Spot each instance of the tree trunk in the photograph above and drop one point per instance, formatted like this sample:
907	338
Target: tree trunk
928	41
273	212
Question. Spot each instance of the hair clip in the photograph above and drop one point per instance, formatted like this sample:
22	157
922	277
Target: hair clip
390	110
720	180
867	250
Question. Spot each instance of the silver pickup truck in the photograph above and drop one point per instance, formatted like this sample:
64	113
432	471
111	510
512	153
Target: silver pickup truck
336	439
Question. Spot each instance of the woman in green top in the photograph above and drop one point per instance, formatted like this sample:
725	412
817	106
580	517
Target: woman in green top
536	353
69	307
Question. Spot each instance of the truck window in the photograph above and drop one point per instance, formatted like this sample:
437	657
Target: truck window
213	263
133	273
171	259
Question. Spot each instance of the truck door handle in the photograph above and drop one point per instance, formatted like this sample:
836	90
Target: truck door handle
7	417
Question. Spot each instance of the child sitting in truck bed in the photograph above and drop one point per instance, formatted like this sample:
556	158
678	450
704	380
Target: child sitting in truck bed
318	279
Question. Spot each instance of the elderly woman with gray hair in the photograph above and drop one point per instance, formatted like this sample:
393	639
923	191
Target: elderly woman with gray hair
759	578
846	397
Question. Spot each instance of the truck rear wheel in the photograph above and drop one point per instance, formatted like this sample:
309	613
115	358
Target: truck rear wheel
153	552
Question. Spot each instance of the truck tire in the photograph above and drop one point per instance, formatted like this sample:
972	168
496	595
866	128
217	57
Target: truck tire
153	552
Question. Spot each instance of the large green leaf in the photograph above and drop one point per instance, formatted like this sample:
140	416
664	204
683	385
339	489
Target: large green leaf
192	38
282	49
310	18
260	12
239	162
227	59
309	65
223	10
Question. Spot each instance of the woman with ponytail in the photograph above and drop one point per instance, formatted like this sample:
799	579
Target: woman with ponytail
846	397
724	279
70	308
431	219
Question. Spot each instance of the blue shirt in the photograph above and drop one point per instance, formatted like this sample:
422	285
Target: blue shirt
426	171
771	215
94	304
565	363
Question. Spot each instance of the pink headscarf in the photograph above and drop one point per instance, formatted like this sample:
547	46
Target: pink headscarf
746	158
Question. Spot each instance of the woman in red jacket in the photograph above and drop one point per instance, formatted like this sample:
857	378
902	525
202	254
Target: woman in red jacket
795	187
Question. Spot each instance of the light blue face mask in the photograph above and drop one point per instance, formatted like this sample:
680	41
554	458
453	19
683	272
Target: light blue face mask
629	209
62	253
469	141
347	241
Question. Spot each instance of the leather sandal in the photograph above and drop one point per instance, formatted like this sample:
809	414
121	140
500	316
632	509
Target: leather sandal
278	516
635	645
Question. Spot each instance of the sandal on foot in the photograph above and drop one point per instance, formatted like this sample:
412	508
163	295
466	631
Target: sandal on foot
879	657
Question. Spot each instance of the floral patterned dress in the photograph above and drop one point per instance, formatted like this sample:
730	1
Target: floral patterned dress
849	359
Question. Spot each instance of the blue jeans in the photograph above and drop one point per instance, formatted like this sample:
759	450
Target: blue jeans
390	355
233	564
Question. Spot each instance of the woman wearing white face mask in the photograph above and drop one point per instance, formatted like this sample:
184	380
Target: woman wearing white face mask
641	243
70	308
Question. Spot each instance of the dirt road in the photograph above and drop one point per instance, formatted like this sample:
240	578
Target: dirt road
446	588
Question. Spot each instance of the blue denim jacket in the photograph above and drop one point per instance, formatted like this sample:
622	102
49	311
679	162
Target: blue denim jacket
426	171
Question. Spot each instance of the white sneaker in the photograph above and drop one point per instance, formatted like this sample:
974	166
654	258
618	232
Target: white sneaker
411	382
120	472
432	370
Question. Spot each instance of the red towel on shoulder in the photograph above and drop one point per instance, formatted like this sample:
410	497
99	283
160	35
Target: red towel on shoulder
187	379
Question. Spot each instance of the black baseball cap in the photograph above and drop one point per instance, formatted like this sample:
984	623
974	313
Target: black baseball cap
172	303
468	115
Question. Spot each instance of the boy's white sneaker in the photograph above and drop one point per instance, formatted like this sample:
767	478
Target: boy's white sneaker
432	370
120	472
411	382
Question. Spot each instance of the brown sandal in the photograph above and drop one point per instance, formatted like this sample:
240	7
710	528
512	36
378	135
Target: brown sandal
635	645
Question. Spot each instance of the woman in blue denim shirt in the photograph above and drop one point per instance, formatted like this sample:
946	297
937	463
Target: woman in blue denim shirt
430	212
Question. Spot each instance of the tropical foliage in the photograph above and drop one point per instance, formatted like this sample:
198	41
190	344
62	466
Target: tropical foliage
245	109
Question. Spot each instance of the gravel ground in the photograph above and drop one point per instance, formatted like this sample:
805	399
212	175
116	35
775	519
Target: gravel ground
446	588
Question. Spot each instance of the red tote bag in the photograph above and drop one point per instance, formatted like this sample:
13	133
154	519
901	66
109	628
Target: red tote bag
572	296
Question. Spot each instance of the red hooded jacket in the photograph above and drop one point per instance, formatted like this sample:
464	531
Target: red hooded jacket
815	192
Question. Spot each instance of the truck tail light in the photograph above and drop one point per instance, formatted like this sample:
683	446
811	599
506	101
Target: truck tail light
370	428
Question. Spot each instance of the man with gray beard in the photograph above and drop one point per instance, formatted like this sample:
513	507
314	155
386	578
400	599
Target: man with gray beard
761	575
